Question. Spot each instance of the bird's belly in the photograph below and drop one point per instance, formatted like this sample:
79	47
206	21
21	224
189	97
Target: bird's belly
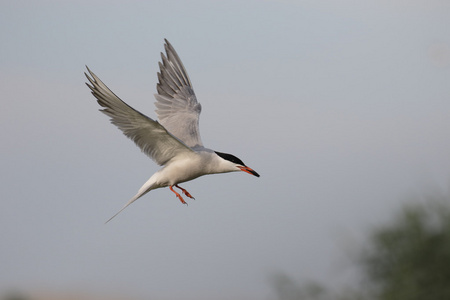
178	172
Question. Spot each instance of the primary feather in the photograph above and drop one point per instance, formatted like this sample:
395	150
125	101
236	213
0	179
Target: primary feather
177	107
153	139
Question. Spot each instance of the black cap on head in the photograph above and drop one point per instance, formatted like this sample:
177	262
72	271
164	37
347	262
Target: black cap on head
231	158
237	161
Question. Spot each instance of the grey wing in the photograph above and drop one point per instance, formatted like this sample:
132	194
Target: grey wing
153	139
177	106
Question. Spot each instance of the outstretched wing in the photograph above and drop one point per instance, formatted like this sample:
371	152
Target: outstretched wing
177	107
153	139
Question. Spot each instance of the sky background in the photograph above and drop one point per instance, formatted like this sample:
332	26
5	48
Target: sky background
343	107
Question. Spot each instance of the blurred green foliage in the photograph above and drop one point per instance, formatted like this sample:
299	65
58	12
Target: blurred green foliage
13	295
408	258
288	289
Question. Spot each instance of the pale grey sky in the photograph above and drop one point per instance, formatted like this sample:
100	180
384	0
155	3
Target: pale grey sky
343	107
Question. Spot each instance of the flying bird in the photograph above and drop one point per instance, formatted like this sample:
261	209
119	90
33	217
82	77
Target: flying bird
174	142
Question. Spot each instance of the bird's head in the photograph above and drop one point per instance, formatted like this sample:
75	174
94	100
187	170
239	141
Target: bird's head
235	164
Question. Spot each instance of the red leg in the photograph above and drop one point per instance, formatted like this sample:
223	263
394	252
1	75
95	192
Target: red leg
184	191
178	195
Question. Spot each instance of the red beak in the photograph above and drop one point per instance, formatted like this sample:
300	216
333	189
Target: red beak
249	170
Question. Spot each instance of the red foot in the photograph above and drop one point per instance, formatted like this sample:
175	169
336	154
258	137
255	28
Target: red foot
184	191
178	195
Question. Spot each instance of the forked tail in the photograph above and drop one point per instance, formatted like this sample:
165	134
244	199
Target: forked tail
147	187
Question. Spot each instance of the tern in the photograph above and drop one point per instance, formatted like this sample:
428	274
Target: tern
174	142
